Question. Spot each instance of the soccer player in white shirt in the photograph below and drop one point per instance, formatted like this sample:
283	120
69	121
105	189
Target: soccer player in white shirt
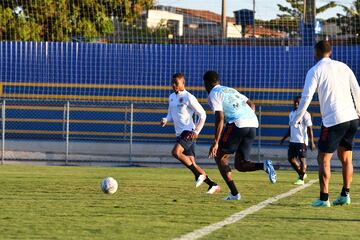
238	113
299	139
339	97
182	106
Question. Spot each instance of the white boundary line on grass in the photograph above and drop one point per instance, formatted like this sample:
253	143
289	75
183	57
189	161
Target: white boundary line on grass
240	215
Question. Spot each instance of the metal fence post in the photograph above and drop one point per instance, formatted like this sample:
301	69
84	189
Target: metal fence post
3	117
67	131
131	132
259	135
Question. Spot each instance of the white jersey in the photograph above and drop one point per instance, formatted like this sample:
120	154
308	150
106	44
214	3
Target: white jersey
299	134
182	106
338	90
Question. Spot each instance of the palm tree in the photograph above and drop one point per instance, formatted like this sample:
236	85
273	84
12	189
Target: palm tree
349	22
297	8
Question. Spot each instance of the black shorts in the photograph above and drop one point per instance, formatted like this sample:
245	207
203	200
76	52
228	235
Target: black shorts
297	150
187	143
339	135
237	139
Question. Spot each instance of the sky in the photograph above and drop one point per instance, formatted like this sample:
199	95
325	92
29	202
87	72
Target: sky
264	9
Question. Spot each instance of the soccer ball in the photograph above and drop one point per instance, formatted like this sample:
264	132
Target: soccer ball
109	185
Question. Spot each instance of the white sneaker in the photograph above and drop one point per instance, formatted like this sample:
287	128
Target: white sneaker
213	189
232	197
200	180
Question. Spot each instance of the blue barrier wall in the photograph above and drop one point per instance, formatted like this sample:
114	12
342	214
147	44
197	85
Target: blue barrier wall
152	65
42	71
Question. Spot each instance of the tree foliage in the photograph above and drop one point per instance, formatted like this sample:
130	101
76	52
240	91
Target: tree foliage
60	20
296	8
349	22
291	15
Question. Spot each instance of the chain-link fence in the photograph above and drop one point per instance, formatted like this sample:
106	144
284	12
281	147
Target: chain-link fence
127	134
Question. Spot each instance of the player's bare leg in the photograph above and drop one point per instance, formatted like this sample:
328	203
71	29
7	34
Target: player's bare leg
222	161
303	166
192	159
324	171
298	166
345	157
178	153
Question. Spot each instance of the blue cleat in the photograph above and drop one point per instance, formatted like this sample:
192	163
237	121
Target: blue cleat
320	203
269	169
341	200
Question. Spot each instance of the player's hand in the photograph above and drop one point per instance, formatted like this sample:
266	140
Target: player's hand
194	135
163	122
312	146
213	150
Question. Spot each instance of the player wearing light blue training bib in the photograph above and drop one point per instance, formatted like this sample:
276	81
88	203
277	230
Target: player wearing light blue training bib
237	113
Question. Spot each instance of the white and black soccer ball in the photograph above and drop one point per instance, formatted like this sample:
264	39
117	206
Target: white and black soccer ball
109	185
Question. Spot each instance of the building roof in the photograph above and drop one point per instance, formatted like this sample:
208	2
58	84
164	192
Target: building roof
205	14
214	17
262	31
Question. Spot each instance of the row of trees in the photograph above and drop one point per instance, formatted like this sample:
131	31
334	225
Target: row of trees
61	20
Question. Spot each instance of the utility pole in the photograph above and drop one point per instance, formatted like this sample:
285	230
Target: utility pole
309	22
223	20
254	19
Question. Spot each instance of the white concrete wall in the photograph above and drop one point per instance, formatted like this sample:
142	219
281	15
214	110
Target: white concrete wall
156	17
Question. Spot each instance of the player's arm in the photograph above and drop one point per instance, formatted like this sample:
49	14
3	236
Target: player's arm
310	133
311	84
311	138
219	124
285	136
215	102
166	119
200	112
251	104
355	91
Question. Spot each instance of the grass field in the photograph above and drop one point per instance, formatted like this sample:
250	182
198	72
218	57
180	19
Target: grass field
39	202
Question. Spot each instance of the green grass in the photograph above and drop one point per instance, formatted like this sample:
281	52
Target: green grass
40	202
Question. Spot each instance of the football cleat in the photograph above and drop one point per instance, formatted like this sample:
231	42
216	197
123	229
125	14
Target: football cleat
200	180
299	182
232	197
341	200
320	203
213	189
269	169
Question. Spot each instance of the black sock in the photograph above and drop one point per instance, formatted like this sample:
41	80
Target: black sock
194	171
345	191
210	182
324	196
301	176
232	187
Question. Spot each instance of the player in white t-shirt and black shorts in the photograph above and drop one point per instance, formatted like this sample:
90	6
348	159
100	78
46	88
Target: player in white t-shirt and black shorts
300	138
182	107
339	98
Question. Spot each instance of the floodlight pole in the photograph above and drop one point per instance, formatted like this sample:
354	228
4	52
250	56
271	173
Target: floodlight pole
131	132
67	131
3	132
259	135
309	22
223	20
254	19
